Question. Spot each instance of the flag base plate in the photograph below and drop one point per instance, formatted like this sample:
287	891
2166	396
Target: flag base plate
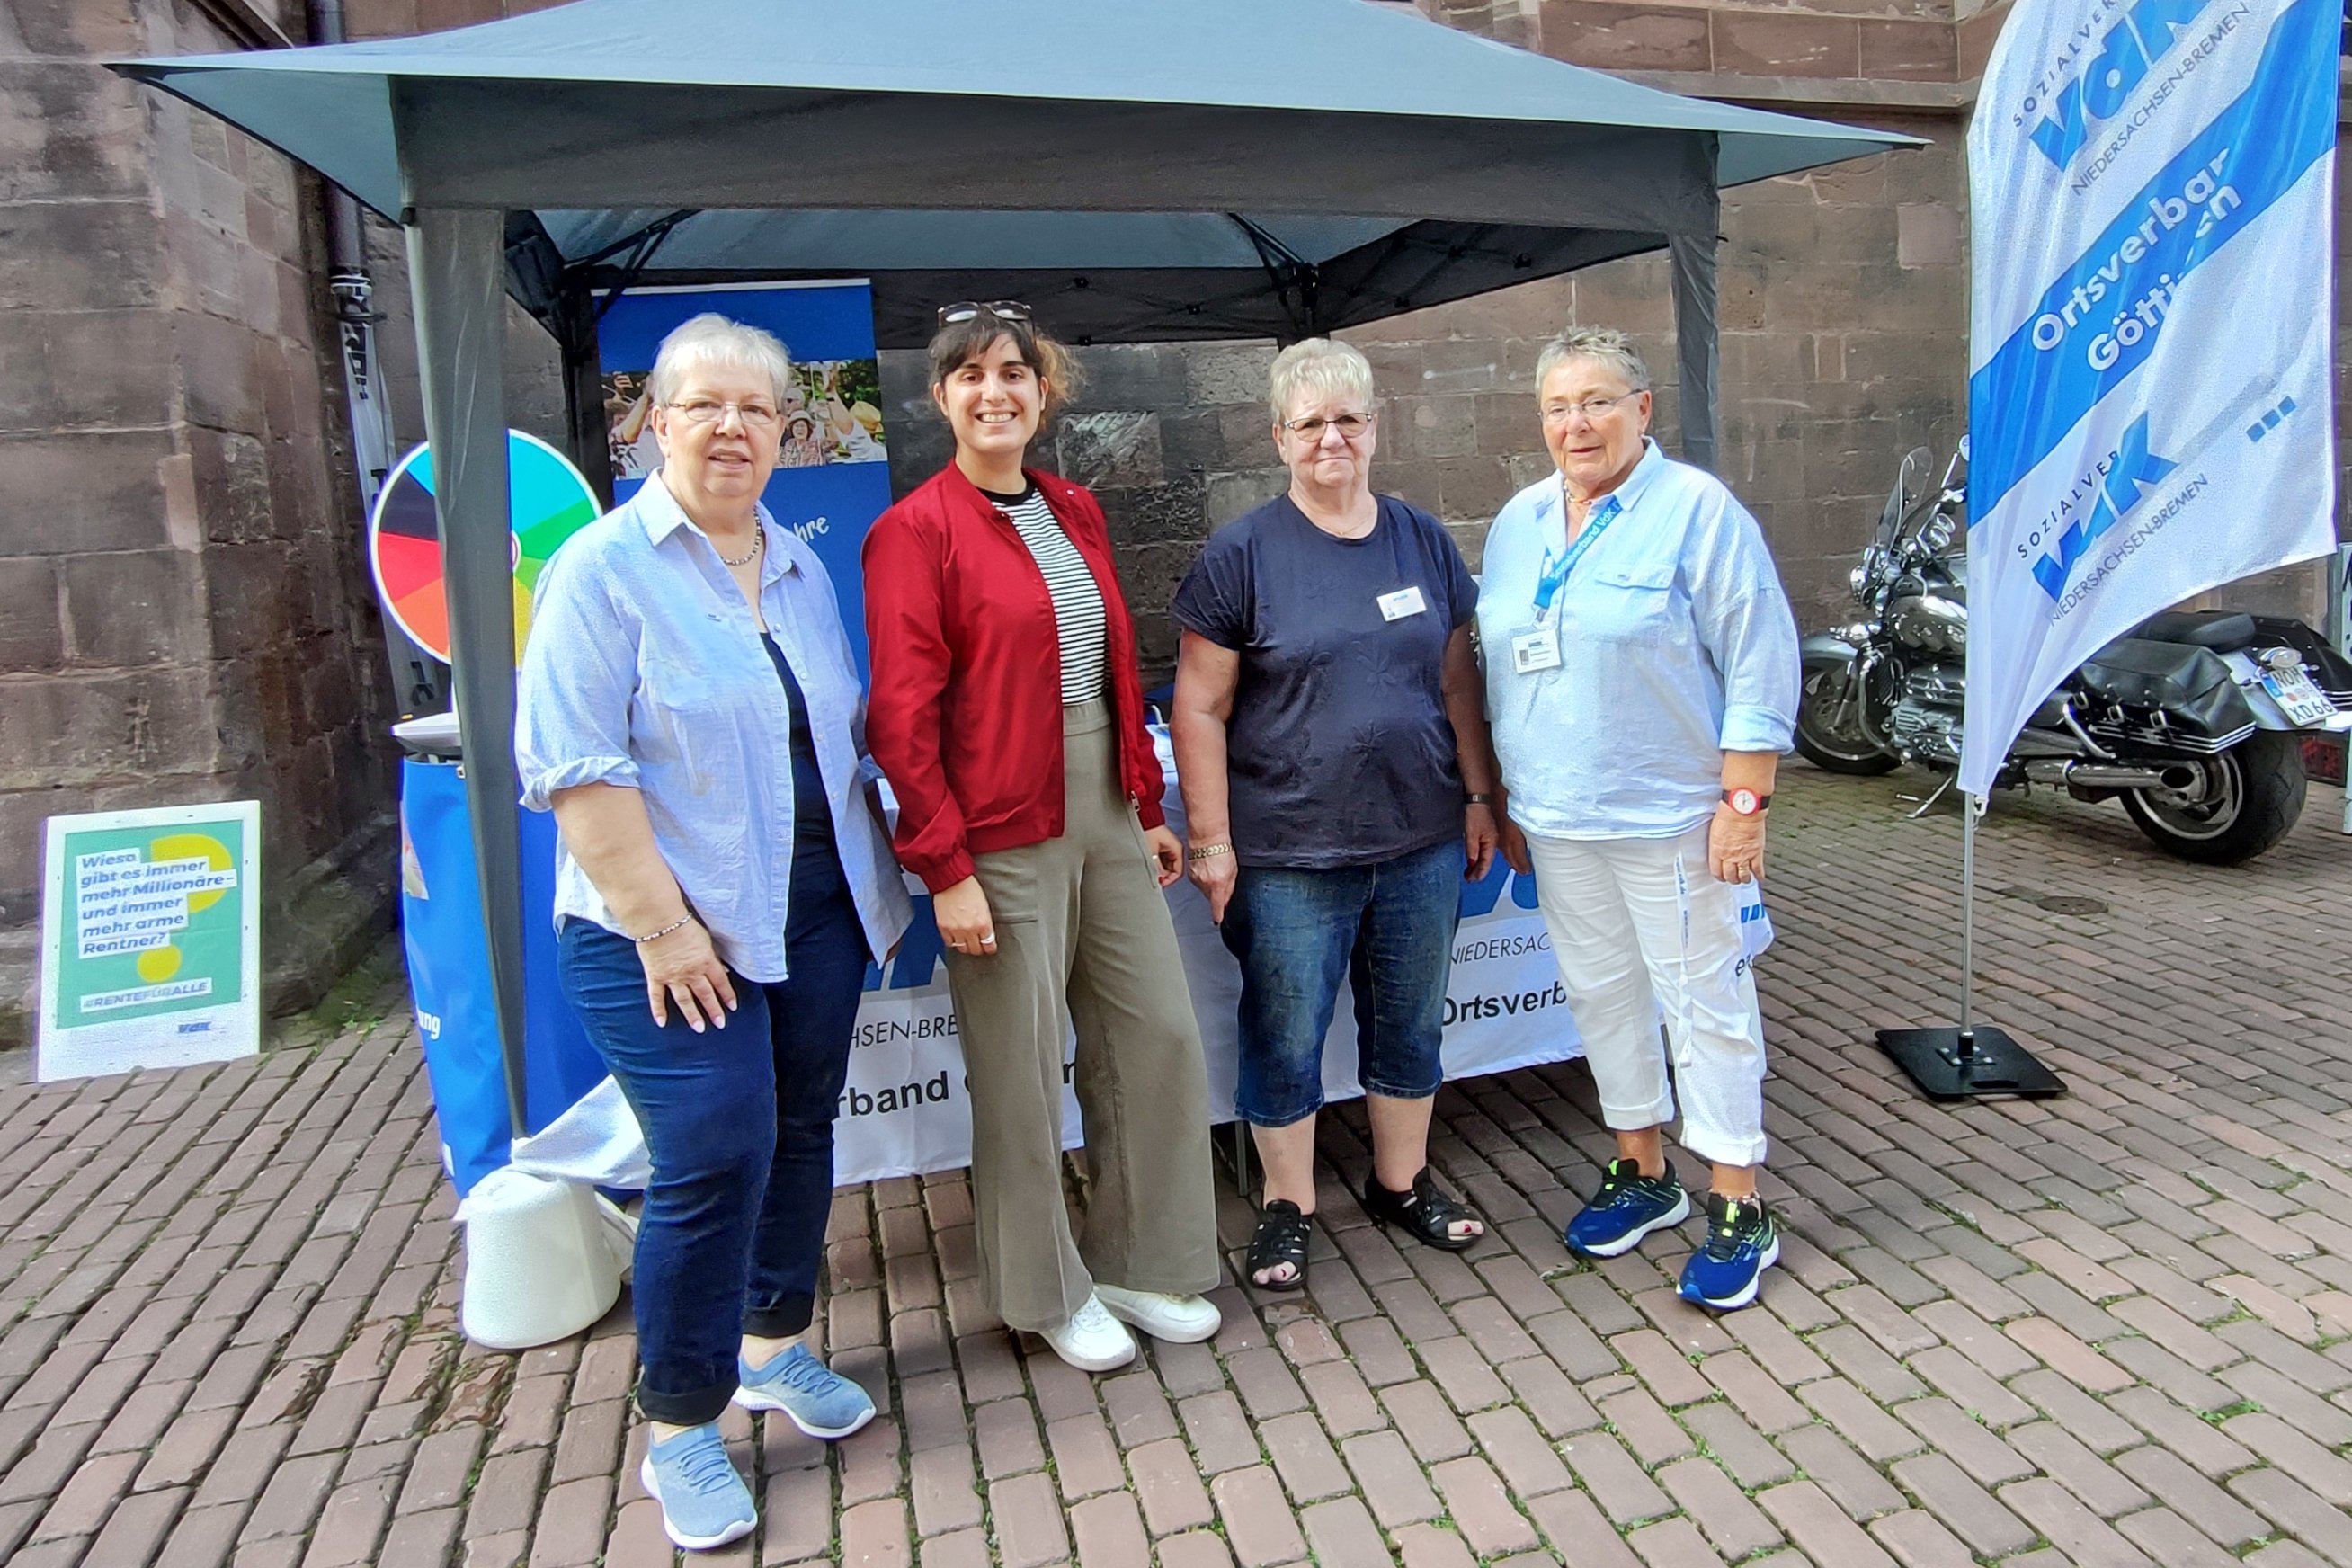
1947	1064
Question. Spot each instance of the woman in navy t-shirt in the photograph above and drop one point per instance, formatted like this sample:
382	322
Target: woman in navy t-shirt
1332	742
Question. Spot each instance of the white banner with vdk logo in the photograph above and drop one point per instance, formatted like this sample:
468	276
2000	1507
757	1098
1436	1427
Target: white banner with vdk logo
2151	339
907	1110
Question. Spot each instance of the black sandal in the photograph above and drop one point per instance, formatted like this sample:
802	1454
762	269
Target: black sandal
1426	1211
1282	1233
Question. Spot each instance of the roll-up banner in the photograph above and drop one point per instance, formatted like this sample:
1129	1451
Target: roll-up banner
834	478
2152	332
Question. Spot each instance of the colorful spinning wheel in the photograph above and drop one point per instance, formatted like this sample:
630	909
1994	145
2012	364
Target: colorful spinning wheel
548	502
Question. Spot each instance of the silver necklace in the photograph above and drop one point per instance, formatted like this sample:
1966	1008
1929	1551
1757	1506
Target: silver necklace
759	540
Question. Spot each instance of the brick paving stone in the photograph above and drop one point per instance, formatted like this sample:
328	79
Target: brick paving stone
796	1513
1422	1415
1673	1543
1576	1533
137	1530
1343	1402
1819	1526
1481	1508
1613	1479
2289	1401
1303	1457
1138	1409
1260	1526
1717	1505
1221	1434
2106	1491
1196	1549
1954	1431
2212	1511
875	1535
1917	1541
1856	1484
1086	1460
1854	1355
1426	1546
1109	1532
1966	1509
2171	1542
1169	1487
2067	1525
1653	1358
1738	1446
1029	1521
1005	1434
1340	1531
1391	1481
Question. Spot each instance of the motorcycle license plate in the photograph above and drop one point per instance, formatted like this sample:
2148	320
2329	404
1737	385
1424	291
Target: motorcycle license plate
2301	700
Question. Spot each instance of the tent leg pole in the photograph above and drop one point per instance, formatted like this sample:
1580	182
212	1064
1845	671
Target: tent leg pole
457	272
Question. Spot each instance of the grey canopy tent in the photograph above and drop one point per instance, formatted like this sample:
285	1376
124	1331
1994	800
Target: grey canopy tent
1137	170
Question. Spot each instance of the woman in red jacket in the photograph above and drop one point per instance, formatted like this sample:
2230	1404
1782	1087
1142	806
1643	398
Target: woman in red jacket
1008	713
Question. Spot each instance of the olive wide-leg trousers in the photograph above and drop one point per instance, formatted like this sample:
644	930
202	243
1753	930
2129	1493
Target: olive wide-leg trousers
1084	942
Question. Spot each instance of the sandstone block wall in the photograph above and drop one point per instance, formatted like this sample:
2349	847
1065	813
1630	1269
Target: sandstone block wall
184	607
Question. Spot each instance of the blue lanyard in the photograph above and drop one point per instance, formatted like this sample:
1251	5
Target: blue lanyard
1555	568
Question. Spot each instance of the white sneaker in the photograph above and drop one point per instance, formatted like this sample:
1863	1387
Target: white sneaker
1092	1340
1179	1320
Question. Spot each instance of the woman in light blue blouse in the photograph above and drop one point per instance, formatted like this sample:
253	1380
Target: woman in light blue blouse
1641	677
691	711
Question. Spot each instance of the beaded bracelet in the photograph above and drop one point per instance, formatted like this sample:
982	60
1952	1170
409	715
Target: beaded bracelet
678	924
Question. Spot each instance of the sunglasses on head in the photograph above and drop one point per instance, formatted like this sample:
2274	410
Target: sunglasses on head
964	311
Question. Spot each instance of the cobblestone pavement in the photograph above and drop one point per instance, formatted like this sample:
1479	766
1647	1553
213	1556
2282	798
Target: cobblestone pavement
2114	1328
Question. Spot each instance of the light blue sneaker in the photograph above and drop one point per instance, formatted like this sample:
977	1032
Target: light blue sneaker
704	1502
821	1402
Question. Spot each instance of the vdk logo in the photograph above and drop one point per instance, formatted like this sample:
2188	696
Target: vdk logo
2125	55
2136	469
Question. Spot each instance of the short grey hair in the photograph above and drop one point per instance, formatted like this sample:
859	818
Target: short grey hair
711	339
1602	345
1318	365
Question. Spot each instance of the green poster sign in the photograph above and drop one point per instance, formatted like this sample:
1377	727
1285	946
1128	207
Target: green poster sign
148	939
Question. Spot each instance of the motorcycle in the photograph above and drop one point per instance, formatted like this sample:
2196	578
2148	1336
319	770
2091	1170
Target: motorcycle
2193	721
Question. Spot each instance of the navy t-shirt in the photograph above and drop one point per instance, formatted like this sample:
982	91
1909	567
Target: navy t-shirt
1339	751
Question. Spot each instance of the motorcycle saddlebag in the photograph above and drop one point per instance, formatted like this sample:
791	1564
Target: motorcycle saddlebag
2189	685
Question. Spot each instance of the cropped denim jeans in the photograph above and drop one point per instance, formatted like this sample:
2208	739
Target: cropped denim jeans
1388	929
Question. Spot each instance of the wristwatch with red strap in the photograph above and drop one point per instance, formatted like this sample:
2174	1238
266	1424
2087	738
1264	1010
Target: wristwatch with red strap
1746	802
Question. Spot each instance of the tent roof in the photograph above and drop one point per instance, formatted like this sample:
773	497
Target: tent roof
1197	148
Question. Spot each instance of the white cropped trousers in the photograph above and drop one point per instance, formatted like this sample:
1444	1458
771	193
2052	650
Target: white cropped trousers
1641	929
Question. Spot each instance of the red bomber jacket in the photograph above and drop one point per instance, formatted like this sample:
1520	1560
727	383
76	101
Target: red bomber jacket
966	712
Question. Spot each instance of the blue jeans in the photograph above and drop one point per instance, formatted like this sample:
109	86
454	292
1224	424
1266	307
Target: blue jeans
739	1125
1388	929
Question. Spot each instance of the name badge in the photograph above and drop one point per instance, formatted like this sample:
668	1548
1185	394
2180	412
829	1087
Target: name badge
1534	650
1404	602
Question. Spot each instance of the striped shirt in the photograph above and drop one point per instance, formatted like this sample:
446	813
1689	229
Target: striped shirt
1078	618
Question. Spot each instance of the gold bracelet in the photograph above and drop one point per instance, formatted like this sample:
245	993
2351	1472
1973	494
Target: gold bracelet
1208	851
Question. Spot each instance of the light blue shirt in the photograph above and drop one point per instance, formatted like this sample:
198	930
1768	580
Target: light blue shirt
645	669
1676	646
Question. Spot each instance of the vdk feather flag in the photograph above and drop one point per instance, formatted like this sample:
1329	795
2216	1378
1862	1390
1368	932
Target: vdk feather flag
2152	330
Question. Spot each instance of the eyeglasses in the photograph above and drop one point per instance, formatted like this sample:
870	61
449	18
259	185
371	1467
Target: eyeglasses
704	411
1594	409
1311	428
964	311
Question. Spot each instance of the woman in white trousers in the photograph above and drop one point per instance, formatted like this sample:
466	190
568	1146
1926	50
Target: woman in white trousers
1641	675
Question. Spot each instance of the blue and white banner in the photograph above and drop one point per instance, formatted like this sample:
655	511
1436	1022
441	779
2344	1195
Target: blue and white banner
834	478
2153	322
